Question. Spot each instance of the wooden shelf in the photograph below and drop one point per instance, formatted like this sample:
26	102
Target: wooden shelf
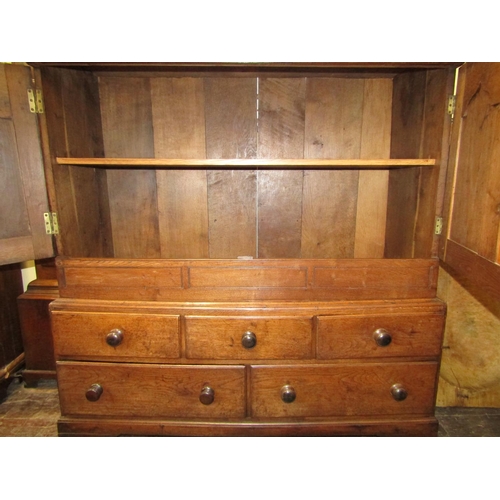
246	163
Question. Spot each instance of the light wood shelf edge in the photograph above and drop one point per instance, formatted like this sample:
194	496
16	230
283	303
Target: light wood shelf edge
246	163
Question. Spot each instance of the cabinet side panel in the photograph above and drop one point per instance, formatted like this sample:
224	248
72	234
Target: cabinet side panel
281	135
435	144
231	132
128	132
407	118
71	126
334	111
179	132
373	185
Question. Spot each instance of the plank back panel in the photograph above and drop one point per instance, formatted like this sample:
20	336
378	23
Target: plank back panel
281	135
231	132
179	132
373	185
128	132
334	110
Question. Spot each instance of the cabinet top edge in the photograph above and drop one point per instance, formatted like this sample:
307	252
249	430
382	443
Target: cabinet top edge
291	67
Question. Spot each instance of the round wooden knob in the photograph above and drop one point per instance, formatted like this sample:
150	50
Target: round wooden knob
249	340
399	393
382	337
288	394
94	392
114	337
207	395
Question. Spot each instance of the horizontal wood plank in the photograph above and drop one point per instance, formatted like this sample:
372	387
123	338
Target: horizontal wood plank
408	427
247	163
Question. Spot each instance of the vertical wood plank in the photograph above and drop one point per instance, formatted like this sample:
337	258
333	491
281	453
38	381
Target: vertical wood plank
281	135
334	109
179	132
128	132
371	212
407	119
231	116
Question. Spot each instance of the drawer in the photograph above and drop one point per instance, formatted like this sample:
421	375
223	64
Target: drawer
342	390
226	337
151	391
379	335
111	335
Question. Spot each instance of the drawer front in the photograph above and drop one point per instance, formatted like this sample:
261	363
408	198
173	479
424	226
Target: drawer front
225	337
102	336
342	390
380	335
145	391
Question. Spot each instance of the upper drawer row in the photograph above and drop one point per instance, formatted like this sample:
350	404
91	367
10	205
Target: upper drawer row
158	337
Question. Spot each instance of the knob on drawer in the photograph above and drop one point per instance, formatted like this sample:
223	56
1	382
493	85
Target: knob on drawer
382	337
207	395
249	340
94	392
288	394
114	337
399	393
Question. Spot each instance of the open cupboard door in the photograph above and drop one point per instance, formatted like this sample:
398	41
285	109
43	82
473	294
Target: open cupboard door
23	195
471	247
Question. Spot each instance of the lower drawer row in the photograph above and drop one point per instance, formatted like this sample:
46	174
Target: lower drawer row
238	392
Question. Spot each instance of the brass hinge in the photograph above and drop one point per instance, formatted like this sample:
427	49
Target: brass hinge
35	100
452	104
51	223
438	227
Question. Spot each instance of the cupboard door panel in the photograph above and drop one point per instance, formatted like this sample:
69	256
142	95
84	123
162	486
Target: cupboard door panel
476	208
23	197
472	237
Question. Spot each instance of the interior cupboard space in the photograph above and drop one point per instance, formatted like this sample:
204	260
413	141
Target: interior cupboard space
261	162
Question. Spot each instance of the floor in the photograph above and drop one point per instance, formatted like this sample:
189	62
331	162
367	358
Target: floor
34	412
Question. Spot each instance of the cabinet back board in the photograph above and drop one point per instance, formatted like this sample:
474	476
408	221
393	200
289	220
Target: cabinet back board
259	212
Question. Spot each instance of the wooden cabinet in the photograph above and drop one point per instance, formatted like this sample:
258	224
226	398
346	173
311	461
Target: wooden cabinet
251	249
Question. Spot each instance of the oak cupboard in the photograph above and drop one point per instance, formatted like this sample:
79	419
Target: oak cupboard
253	249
